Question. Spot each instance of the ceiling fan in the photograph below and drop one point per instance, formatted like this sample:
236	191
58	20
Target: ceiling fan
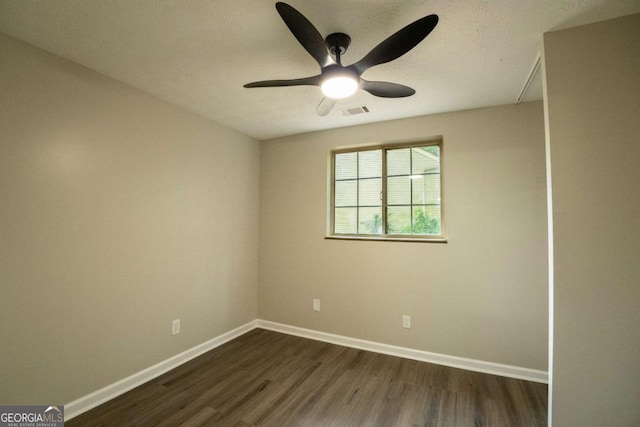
336	80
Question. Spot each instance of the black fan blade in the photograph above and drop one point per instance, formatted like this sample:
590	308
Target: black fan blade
386	89
399	43
305	81
306	33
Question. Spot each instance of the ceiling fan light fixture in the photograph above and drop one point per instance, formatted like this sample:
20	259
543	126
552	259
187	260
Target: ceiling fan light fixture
337	81
339	87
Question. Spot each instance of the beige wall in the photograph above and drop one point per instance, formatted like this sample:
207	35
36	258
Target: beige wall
118	213
593	107
483	295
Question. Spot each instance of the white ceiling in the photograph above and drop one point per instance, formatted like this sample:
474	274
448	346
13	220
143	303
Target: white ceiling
198	53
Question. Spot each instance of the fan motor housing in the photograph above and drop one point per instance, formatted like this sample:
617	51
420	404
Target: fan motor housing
337	70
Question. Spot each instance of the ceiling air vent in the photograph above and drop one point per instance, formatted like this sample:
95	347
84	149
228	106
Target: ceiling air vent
354	111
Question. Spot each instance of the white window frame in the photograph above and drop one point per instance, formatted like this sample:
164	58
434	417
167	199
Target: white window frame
384	236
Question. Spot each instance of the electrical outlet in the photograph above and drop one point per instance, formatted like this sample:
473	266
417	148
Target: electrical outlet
316	305
406	321
175	327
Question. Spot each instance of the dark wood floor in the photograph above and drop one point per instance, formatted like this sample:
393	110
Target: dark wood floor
265	378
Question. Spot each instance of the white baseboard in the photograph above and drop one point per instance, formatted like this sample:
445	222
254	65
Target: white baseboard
90	401
408	353
111	391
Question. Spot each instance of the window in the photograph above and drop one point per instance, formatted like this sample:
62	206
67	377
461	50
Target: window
389	192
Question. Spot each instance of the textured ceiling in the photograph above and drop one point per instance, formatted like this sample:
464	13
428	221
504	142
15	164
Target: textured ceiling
198	53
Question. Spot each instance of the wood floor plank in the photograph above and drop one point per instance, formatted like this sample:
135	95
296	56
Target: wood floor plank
200	418
264	378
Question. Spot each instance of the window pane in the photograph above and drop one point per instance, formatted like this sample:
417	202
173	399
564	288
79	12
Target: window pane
369	192
346	221
346	166
370	164
426	220
424	160
426	189
346	193
412	183
399	220
370	221
399	162
398	190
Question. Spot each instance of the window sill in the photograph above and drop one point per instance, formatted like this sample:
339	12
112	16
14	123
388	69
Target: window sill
390	239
